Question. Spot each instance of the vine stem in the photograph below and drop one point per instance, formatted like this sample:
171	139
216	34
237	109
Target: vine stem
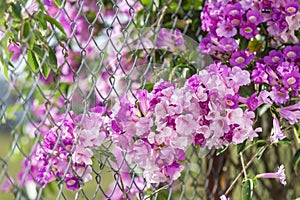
243	165
245	168
156	191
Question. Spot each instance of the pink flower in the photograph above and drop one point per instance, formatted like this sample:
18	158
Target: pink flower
241	59
248	30
82	155
279	95
277	133
7	185
185	124
254	16
226	30
72	182
92	137
291	113
280	175
223	197
143	101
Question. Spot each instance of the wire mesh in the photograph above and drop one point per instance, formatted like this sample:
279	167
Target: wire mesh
108	49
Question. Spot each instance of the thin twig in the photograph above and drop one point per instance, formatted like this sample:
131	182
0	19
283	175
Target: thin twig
244	168
156	191
243	165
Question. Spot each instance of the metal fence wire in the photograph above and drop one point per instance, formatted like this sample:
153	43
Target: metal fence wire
71	55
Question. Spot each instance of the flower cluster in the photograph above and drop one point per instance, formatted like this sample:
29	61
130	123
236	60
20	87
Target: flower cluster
66	150
235	27
226	20
158	128
281	72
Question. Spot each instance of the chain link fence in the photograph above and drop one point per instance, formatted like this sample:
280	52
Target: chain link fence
69	56
65	63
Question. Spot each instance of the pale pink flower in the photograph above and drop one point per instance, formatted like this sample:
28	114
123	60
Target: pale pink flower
185	124
277	133
291	113
280	175
223	197
82	155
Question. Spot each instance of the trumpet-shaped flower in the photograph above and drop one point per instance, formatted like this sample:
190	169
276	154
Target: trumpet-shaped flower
277	133
280	175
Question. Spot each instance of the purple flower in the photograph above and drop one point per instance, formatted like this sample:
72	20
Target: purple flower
228	45
274	57
291	52
48	2
206	46
223	197
225	29
277	133
276	27
238	78
280	175
291	113
232	100
185	124
143	101
72	183
171	40
291	8
235	21
199	140
234	10
254	17
82	155
240	59
252	102
17	52
7	185
259	74
292	80
248	30
279	95
173	170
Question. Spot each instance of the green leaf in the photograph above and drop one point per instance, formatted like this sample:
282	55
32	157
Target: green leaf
198	5
146	2
284	141
219	151
243	43
45	71
58	2
53	22
52	60
31	59
42	22
247	190
296	160
149	86
254	45
245	91
4	54
37	55
173	6
16	8
28	35
241	147
3	8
